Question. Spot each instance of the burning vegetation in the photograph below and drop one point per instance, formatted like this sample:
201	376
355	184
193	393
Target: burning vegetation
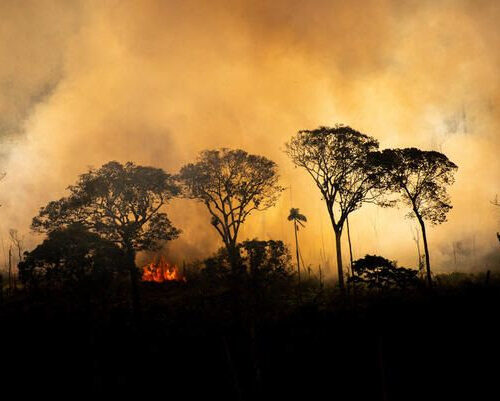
161	271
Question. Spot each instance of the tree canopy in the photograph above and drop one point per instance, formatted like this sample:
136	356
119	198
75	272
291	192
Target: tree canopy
297	217
123	203
70	255
422	178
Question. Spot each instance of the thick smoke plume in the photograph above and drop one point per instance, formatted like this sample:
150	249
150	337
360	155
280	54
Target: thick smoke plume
155	82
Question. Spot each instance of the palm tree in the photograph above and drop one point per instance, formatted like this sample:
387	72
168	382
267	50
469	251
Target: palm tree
298	219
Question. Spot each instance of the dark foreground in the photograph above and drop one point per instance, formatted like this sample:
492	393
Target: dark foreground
197	341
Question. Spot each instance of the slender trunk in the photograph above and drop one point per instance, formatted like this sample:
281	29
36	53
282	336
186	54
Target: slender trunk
338	235
353	285
417	242
426	250
350	245
298	259
297	248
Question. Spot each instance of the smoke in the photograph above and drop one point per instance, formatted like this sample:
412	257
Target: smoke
32	49
155	82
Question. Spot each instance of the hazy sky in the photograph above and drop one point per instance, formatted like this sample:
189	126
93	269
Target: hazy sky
155	82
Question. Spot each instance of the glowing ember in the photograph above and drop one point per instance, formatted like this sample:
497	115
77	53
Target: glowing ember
161	271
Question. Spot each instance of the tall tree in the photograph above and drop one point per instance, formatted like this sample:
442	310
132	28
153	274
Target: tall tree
421	178
338	160
122	203
298	219
231	184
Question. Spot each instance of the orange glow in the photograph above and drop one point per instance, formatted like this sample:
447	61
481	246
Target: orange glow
161	271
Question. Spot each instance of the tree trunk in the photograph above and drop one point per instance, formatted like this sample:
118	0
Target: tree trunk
426	250
338	235
297	248
350	245
233	257
134	284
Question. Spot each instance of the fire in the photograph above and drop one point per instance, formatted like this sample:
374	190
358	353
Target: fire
161	271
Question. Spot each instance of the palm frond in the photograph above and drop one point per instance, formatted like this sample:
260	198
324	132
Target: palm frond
301	217
295	215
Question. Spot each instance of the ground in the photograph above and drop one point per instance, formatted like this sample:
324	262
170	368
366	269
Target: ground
203	341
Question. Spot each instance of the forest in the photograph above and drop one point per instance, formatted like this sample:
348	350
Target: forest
80	316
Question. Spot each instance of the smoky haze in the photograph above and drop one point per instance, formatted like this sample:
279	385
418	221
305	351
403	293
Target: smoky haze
155	82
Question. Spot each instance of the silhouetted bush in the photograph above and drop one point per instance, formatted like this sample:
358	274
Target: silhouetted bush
378	272
259	260
71	257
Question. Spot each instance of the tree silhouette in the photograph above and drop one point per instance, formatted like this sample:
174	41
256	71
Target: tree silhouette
378	272
71	256
338	159
231	184
421	178
298	219
264	259
123	204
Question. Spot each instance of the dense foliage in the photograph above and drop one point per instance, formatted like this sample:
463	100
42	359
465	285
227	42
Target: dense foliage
257	259
71	257
380	273
122	203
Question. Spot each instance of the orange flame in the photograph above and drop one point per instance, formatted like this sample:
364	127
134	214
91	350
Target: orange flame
161	271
